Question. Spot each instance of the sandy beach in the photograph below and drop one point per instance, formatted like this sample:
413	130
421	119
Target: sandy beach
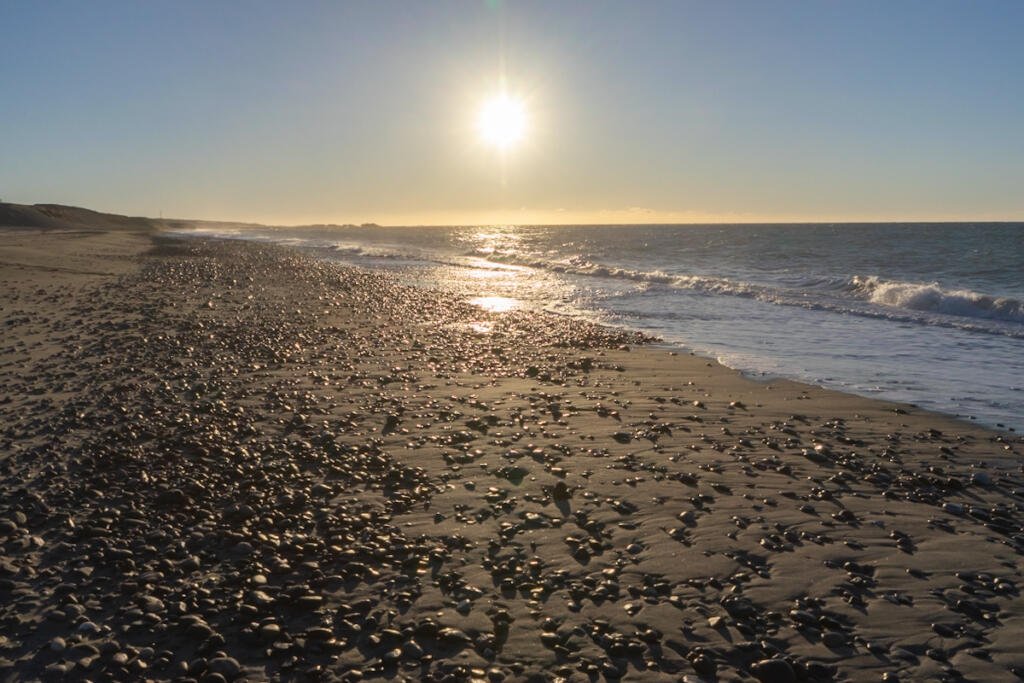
225	461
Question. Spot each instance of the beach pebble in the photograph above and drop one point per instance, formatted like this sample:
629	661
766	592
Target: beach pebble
775	670
452	635
55	672
88	628
834	640
228	667
319	634
688	517
981	479
413	650
702	663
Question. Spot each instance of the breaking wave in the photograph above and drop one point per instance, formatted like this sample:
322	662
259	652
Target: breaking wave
863	295
859	295
931	297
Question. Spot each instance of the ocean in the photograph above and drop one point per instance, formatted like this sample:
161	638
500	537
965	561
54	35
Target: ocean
929	314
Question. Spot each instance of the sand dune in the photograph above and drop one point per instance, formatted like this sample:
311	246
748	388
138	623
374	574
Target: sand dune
59	217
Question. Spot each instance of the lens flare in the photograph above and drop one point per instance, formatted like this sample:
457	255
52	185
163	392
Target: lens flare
501	121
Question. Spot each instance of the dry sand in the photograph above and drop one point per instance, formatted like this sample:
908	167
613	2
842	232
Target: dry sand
224	461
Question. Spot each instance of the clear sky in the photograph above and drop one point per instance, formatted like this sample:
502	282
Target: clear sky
636	111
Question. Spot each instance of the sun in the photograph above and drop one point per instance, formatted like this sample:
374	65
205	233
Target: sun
501	121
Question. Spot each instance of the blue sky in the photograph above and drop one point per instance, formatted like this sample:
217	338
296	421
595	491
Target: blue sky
637	111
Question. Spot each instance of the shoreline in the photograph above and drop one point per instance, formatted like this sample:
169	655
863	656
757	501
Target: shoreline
939	374
227	459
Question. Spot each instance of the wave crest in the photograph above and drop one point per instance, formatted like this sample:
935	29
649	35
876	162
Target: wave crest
932	298
868	296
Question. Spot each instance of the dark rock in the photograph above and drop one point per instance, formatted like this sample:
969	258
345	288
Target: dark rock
775	670
228	667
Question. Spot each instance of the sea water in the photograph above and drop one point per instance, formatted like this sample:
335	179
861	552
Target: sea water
929	314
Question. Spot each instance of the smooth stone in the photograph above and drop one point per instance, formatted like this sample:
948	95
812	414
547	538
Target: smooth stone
200	631
319	633
55	672
981	479
260	598
773	671
151	604
452	635
412	650
834	640
228	667
83	650
88	628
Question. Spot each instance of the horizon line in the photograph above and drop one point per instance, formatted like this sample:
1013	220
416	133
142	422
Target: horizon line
596	224
477	224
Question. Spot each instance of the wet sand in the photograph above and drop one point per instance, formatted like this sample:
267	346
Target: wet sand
222	461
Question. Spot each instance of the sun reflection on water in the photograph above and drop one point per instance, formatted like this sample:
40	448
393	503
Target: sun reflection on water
495	304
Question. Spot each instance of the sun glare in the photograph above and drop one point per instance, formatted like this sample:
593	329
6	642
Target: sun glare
501	121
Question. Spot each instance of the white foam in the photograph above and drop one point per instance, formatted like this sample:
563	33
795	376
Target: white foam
931	297
897	301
